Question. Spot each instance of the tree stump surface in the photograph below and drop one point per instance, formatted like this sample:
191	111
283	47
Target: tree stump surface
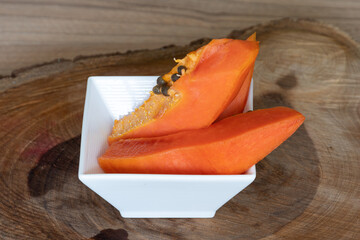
308	188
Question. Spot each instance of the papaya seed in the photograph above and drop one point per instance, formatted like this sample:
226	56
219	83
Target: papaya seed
175	77
160	81
164	90
156	89
180	69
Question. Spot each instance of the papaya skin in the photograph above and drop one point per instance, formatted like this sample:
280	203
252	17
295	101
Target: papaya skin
199	96
238	103
230	146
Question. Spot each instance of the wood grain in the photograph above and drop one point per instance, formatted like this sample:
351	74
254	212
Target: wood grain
306	189
39	31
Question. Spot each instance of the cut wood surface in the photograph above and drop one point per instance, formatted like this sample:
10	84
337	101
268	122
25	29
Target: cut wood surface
37	31
309	188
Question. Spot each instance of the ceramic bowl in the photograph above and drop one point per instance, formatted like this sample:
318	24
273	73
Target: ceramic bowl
145	195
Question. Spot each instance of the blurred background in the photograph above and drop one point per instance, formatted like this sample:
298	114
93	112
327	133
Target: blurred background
38	31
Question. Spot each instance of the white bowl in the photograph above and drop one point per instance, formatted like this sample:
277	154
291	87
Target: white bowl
145	195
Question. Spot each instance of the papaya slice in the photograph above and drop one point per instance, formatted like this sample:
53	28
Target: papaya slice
238	104
230	146
194	93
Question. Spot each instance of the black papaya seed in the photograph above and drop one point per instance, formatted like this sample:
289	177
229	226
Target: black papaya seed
156	89
164	90
160	81
175	77
180	68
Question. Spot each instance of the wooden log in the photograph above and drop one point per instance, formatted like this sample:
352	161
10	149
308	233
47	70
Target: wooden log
306	189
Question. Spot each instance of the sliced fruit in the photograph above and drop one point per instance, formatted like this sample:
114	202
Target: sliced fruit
230	146
194	93
238	104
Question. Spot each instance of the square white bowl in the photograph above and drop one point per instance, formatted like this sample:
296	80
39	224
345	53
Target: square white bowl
145	195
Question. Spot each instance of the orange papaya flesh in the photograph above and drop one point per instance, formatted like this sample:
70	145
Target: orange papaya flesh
209	83
230	146
252	37
238	103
